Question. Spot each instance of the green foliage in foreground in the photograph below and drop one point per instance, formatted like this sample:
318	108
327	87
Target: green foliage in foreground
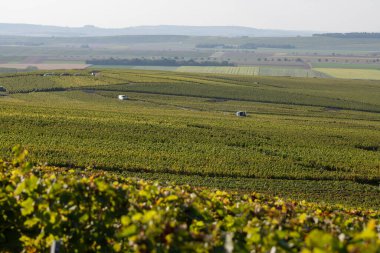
104	213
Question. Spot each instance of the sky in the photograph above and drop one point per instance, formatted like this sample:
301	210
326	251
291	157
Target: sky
307	15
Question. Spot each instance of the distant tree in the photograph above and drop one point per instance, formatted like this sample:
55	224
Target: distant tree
263	45
215	45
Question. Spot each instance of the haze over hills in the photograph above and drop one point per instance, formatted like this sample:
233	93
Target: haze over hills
226	31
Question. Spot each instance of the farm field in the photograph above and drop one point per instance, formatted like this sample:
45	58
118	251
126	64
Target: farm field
255	71
370	74
312	139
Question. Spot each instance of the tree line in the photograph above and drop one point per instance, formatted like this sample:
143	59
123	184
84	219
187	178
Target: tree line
245	46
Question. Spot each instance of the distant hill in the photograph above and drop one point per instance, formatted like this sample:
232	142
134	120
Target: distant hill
350	35
86	31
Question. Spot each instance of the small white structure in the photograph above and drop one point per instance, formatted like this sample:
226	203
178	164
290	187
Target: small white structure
122	97
95	73
241	114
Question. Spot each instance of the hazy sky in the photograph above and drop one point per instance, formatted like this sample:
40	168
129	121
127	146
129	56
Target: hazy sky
317	15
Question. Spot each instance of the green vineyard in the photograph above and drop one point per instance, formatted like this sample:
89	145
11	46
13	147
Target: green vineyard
173	169
102	212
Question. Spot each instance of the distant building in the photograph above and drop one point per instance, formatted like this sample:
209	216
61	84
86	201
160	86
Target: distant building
241	114
122	97
2	89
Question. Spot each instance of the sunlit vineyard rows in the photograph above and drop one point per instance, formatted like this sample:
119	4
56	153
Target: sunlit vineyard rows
322	150
84	210
344	94
37	82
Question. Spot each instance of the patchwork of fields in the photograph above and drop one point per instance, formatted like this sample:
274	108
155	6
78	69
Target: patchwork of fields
319	71
358	72
250	71
241	70
314	139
